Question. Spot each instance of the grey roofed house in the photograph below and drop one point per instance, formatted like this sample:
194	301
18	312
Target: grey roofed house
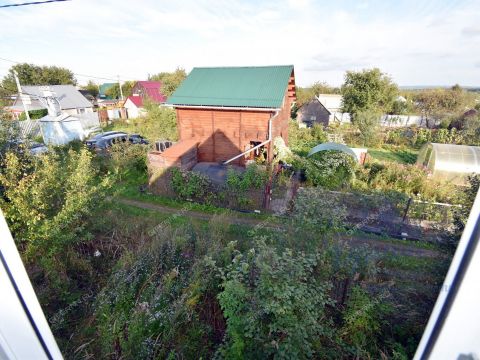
322	109
313	112
70	99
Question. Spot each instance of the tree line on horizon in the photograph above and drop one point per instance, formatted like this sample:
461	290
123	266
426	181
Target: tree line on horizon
31	74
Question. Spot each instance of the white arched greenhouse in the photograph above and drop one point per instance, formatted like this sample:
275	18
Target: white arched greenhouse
358	154
450	162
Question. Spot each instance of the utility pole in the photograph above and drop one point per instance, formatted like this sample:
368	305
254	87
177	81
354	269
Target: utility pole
120	86
20	94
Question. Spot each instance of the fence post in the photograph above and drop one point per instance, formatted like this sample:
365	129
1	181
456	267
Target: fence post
409	202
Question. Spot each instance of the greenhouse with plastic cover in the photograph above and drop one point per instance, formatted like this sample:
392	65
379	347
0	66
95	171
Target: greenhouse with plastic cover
450	162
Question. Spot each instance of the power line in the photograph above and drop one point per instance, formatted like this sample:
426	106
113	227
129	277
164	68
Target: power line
76	74
32	3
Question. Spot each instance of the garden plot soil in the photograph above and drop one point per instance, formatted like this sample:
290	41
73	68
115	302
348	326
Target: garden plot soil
374	243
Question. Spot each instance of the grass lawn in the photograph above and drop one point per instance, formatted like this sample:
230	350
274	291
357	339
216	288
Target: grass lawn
399	155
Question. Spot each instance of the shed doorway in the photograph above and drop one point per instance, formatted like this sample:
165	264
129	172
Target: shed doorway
258	155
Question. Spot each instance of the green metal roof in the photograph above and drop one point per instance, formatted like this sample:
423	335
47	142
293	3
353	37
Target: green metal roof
253	86
103	88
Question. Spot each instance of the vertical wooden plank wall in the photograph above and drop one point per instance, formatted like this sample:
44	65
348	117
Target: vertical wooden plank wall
223	134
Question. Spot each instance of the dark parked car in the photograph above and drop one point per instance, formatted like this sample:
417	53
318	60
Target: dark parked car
105	140
93	140
137	139
33	148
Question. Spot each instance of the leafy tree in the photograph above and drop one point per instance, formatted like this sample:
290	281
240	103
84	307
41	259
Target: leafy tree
47	203
368	123
442	103
306	94
9	131
30	74
163	120
114	91
170	80
274	305
92	88
34	114
368	90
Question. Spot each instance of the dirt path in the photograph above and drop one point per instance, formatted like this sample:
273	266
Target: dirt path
387	246
237	220
374	243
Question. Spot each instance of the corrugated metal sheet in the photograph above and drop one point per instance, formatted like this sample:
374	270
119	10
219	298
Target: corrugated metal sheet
29	128
256	87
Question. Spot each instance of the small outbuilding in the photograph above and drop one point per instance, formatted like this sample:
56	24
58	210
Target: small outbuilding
60	130
134	106
323	109
450	162
231	113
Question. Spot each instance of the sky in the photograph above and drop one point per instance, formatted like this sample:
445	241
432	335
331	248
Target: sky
416	42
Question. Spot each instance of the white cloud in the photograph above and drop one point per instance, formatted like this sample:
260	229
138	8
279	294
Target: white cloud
416	45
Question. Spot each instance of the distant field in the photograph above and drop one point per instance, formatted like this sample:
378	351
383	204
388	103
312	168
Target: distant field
403	156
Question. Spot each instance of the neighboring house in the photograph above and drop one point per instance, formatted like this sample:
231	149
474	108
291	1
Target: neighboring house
134	106
141	91
150	90
313	112
71	101
229	115
324	109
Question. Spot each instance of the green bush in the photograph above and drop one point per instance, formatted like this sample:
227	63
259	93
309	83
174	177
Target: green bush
407	179
466	199
34	114
159	123
126	159
302	140
362	321
252	178
328	169
274	305
315	209
48	202
189	184
147	310
242	188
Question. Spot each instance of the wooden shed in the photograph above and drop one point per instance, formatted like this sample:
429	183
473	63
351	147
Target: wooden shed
232	113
